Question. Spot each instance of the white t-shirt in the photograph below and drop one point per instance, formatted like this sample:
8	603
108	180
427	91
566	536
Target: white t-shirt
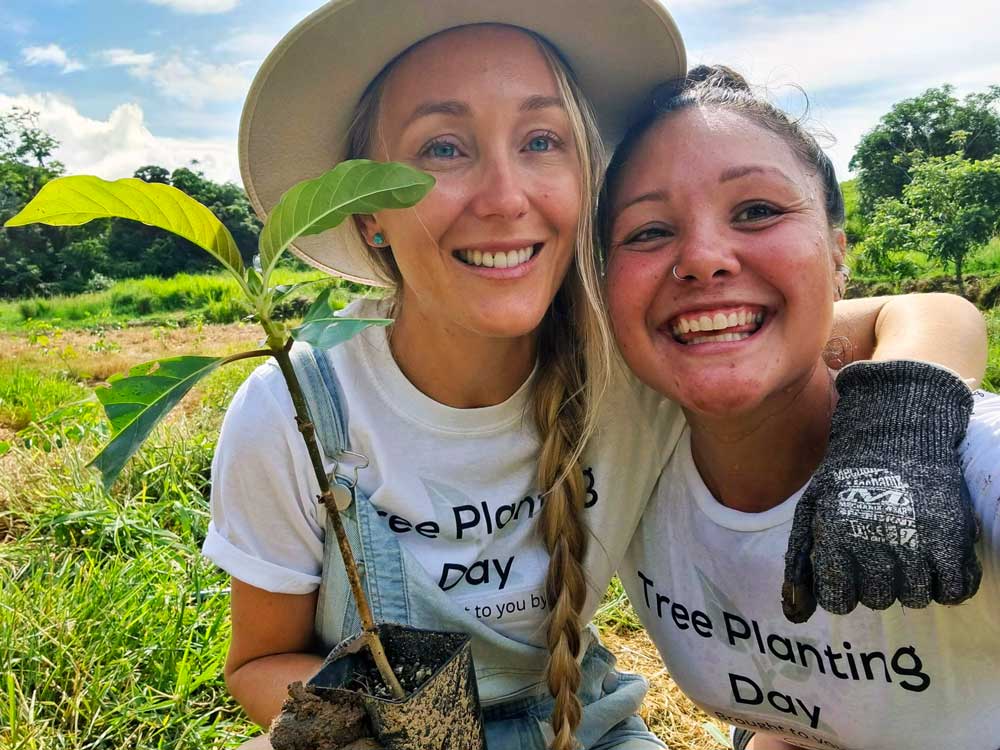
706	581
457	486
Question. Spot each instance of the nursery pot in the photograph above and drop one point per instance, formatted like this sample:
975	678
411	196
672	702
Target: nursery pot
441	710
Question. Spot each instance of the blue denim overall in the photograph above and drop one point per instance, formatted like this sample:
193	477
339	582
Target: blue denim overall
516	703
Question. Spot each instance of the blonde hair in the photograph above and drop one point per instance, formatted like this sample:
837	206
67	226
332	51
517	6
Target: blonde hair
574	356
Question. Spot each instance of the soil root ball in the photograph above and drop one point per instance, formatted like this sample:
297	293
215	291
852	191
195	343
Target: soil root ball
308	722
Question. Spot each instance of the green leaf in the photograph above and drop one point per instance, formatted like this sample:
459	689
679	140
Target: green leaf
136	403
324	329
355	186
70	201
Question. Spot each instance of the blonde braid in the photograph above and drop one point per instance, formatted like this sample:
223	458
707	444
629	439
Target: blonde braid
560	412
574	354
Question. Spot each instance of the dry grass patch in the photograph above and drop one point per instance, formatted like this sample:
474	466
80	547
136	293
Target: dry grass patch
668	712
94	356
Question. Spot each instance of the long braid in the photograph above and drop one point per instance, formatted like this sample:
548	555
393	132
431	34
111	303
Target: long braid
560	413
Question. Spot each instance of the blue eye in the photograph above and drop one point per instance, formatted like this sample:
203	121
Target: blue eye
541	143
442	150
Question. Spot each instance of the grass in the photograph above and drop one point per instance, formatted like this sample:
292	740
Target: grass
113	629
991	381
184	299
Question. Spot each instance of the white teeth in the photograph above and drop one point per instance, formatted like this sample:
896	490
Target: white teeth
722	337
499	259
716	322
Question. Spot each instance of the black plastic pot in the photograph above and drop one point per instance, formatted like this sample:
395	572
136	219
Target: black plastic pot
441	713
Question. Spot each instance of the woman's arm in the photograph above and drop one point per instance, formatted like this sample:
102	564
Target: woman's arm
270	648
941	328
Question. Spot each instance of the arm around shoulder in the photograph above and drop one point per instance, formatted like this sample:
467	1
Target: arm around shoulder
941	328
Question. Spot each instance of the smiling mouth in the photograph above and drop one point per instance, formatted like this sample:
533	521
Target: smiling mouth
499	258
717	326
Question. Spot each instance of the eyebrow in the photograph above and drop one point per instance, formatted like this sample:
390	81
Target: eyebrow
735	173
535	103
456	108
451	107
658	196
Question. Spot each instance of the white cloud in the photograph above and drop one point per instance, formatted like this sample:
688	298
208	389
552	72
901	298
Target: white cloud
117	146
855	62
4	67
860	44
197	82
128	58
51	54
198	6
250	44
190	81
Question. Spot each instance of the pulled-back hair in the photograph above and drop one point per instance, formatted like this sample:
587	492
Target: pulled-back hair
574	356
720	87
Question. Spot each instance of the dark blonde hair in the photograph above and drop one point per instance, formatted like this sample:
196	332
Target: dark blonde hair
574	355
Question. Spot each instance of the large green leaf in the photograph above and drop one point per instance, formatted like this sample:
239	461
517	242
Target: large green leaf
137	402
352	187
69	201
324	329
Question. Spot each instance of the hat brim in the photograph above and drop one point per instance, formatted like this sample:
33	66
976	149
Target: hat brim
297	114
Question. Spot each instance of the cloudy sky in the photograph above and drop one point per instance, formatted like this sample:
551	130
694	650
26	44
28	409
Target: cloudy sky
123	83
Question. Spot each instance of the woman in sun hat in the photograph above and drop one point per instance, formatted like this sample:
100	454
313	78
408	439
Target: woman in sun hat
475	407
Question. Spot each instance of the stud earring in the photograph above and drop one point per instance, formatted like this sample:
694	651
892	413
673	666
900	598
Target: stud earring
378	239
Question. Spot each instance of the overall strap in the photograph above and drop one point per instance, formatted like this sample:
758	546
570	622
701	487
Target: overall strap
375	547
323	397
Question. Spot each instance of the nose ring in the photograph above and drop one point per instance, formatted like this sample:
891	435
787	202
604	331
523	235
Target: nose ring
674	272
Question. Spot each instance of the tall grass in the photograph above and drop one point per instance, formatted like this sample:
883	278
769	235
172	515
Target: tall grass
212	298
991	381
113	629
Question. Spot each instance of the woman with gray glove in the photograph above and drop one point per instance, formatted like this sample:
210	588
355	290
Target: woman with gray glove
722	218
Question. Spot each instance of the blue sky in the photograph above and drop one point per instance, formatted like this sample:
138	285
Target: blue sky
122	83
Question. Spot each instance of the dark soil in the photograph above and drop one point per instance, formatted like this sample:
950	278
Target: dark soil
309	722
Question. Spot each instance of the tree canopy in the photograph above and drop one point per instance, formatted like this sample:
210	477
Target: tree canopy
43	260
923	126
950	207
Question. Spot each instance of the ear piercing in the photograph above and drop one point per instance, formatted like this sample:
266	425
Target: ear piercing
378	239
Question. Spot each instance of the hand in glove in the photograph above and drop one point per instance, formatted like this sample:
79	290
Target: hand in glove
885	516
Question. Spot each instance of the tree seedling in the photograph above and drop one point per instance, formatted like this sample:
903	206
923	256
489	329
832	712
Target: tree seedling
135	403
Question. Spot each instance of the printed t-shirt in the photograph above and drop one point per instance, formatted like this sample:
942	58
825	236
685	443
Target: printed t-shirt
706	581
458	487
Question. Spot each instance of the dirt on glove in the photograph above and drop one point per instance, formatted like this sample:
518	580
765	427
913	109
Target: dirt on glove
308	722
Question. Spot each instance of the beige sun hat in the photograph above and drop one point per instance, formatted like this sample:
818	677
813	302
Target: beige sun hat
300	106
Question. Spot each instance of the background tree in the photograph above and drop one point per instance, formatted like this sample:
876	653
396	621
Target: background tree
950	207
43	260
29	256
923	125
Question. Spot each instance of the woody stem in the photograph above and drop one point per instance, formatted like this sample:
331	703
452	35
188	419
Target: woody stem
326	497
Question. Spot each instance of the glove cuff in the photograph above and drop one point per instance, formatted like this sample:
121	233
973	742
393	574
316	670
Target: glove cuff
906	405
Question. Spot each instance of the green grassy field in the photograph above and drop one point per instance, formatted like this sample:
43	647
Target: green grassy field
183	299
113	629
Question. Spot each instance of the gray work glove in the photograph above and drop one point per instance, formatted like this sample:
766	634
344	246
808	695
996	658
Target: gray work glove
885	516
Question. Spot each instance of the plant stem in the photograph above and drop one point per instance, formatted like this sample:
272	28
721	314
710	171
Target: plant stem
326	497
